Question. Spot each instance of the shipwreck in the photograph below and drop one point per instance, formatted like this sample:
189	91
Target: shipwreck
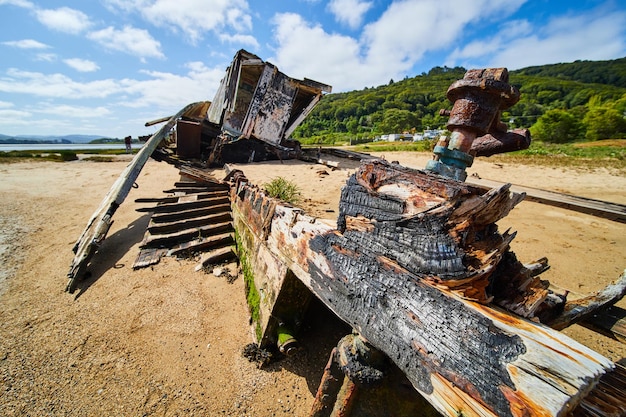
415	263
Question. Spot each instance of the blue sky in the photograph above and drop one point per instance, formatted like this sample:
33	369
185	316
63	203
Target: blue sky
106	67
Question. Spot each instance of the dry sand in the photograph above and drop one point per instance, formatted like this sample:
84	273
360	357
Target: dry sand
167	340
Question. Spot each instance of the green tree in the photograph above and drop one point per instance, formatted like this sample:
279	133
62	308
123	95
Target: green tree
604	122
557	126
397	120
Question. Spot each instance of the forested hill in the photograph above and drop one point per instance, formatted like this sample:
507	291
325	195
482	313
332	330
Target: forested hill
583	100
589	72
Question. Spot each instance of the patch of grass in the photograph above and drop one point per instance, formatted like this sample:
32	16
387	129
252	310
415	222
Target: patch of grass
19	154
62	156
587	155
99	158
59	156
283	189
421	146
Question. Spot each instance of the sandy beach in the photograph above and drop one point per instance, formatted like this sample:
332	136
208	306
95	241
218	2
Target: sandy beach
168	341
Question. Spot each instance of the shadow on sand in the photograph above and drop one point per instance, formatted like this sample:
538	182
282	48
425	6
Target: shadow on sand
115	247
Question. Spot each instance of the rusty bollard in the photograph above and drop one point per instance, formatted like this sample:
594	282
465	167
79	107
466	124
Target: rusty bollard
353	365
478	101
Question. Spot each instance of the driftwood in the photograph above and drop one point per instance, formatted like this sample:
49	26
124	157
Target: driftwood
418	267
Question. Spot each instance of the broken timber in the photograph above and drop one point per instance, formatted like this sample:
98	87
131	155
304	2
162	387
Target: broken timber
598	208
100	222
411	266
195	220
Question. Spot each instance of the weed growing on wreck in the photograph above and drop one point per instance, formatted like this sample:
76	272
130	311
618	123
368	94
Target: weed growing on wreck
283	190
252	294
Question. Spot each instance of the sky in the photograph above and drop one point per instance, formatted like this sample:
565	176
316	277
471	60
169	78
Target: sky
105	67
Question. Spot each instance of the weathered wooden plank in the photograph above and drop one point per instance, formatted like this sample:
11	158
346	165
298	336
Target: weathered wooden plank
173	238
201	185
578	309
214	256
187	224
189	214
148	256
197	174
598	208
608	398
176	207
191	190
465	357
176	198
224	239
610	321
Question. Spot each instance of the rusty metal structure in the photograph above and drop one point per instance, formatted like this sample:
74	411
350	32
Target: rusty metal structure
478	100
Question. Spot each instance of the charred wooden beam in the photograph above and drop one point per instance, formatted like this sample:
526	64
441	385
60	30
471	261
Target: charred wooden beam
576	310
609	321
410	267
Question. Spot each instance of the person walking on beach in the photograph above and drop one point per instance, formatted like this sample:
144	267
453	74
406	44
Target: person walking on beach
127	142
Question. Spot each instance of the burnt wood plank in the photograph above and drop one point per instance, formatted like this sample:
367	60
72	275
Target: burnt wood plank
203	184
189	214
610	321
198	175
186	224
176	207
148	256
224	239
215	256
192	190
168	240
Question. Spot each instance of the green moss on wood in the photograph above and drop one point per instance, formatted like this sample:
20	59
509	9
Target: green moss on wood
252	294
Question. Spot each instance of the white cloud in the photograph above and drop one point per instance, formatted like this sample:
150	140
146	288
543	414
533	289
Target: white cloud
55	85
13	116
408	29
20	3
46	57
80	112
5	104
162	89
593	36
306	50
387	47
240	40
350	12
82	65
64	19
191	17
26	44
173	91
137	42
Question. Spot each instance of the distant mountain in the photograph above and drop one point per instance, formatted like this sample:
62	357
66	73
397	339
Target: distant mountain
71	138
49	139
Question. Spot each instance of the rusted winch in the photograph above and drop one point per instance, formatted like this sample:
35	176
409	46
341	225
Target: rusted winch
478	101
